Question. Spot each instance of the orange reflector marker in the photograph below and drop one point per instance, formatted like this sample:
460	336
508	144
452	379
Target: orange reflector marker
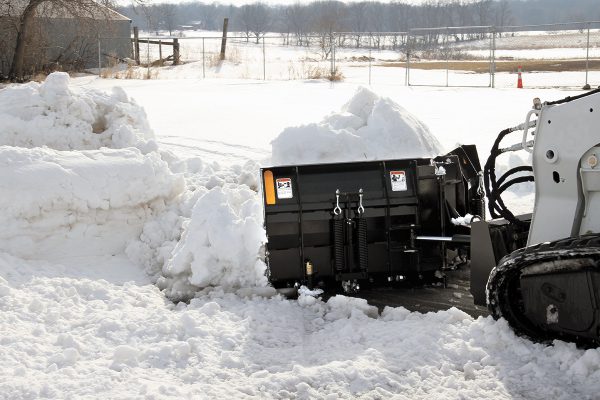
269	187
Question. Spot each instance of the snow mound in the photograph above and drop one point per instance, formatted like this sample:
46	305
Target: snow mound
169	242
51	114
369	127
79	202
221	244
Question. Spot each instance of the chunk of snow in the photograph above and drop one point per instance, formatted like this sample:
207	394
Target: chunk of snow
462	221
304	291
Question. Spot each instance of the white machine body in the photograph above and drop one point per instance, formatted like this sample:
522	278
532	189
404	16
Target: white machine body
566	160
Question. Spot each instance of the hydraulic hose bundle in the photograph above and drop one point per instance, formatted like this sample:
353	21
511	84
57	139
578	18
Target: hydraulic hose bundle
494	187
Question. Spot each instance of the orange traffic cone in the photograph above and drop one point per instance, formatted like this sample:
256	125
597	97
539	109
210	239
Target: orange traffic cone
519	80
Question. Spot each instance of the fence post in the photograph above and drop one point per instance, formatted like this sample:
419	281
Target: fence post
136	45
407	75
99	59
447	55
203	61
331	51
334	56
224	38
148	58
176	51
493	59
160	49
587	59
264	60
369	59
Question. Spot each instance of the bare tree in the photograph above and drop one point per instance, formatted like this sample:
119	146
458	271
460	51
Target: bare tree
504	15
357	13
8	29
328	17
465	17
483	9
167	14
244	20
209	16
255	19
377	20
296	18
152	16
26	12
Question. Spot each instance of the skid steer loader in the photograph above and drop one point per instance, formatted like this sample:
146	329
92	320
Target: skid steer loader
344	225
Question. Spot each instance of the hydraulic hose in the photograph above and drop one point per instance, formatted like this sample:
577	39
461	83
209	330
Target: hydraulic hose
495	187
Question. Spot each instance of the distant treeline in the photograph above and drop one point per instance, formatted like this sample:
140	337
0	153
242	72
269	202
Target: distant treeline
301	20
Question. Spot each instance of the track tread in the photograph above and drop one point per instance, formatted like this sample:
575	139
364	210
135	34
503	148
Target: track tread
503	296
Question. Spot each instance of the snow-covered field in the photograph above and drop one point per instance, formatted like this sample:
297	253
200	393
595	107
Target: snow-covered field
118	201
275	61
278	62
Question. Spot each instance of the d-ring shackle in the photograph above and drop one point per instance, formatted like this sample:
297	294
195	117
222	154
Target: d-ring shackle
361	209
337	210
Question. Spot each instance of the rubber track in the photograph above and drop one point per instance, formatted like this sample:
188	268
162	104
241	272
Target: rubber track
503	287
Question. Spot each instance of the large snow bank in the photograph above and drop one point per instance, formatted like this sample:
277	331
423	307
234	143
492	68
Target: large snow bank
73	336
51	114
79	172
81	176
78	202
369	127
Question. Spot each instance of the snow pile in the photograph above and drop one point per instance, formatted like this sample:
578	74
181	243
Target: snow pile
369	127
79	173
79	202
99	185
211	236
220	245
50	114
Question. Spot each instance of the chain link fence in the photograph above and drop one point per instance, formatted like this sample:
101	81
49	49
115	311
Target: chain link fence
440	57
476	56
491	56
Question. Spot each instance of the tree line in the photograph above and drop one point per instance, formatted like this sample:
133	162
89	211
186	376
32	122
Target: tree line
300	20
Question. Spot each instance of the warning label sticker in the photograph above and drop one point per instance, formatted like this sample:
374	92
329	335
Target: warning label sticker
398	179
284	188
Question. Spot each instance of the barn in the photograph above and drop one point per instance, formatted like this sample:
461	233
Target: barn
72	37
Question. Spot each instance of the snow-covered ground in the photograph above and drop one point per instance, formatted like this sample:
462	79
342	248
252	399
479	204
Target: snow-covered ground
272	60
105	203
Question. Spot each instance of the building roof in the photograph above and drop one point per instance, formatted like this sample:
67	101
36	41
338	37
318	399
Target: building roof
63	9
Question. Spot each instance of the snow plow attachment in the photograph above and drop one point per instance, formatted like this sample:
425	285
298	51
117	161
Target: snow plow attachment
375	221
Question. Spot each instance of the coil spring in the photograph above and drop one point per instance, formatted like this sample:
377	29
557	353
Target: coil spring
479	207
338	243
361	231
